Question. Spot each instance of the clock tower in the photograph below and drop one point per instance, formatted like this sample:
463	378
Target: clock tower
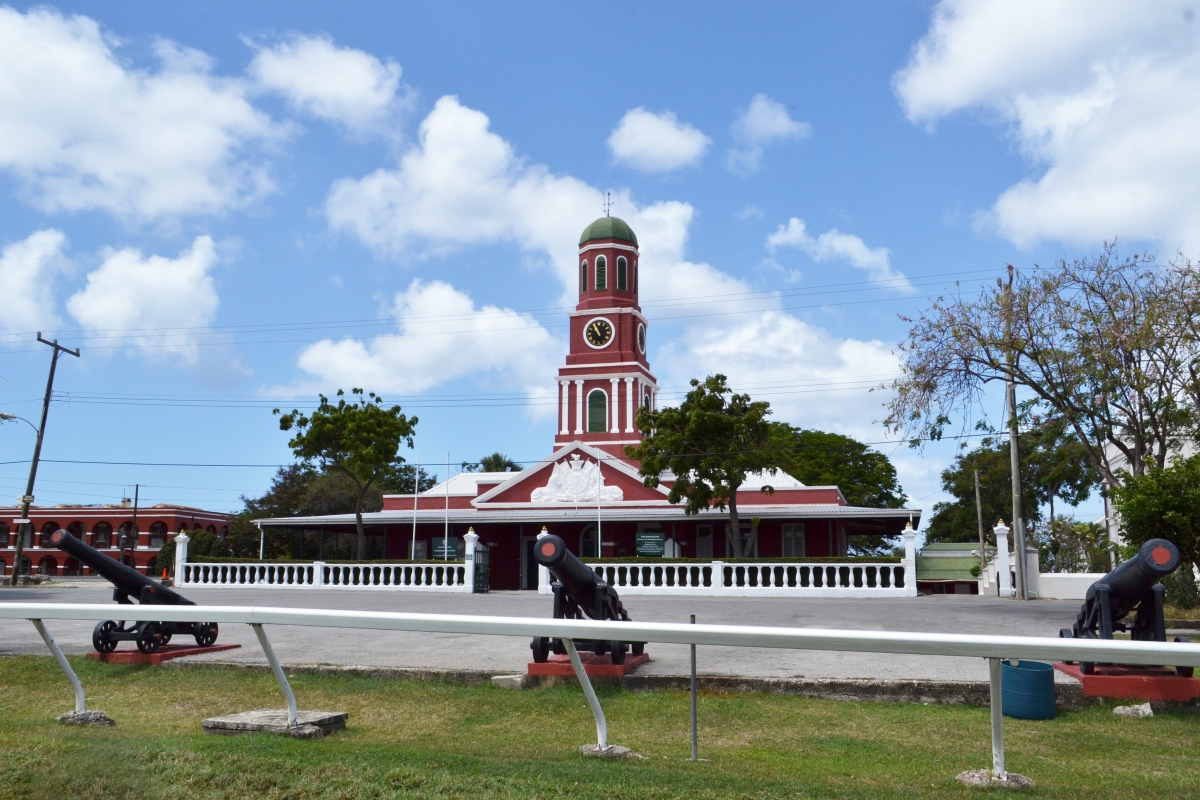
606	377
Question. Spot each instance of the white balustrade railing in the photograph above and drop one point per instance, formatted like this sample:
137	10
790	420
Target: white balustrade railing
761	579
429	577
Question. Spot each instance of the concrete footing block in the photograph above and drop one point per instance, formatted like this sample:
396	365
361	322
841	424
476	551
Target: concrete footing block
986	779
85	718
612	751
309	724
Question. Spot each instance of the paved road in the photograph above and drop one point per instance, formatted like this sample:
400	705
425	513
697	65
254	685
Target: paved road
945	614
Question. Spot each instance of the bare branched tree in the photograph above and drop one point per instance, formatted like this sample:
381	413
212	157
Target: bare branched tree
1107	346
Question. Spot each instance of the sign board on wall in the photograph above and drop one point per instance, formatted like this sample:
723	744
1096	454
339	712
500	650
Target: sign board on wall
439	548
650	544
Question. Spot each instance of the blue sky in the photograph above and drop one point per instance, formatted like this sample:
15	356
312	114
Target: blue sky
233	206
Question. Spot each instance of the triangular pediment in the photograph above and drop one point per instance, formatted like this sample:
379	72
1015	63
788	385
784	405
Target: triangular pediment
564	477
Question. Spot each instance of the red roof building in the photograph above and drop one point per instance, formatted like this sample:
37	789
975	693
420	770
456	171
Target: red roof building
101	527
587	491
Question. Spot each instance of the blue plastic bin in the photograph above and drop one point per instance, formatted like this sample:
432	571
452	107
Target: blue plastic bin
1027	689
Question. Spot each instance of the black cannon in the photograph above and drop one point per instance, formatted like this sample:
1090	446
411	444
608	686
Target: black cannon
1132	586
578	591
128	582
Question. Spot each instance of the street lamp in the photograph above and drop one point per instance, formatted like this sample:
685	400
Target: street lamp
5	416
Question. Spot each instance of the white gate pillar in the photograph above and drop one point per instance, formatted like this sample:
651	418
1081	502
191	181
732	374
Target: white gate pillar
910	560
543	573
181	547
469	543
1003	574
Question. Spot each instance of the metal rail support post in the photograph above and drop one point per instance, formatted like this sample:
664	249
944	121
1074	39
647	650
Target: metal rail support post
997	721
278	670
695	743
589	693
62	663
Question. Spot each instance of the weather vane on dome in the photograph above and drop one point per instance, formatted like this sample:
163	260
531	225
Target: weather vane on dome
607	204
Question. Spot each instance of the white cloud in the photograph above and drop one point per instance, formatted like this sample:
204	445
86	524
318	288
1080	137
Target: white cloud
441	336
810	377
1104	94
27	272
656	142
337	84
765	122
81	130
462	184
160	305
833	245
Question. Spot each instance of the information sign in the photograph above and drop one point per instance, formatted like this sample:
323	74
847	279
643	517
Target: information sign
650	543
440	549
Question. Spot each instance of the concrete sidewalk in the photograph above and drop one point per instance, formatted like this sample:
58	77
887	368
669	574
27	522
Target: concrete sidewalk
495	654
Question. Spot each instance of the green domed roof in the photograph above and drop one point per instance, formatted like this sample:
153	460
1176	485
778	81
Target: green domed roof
608	228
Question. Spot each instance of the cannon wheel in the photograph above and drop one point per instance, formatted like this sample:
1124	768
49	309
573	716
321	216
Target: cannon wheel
1066	633
541	649
205	633
617	652
638	648
1184	672
101	638
150	637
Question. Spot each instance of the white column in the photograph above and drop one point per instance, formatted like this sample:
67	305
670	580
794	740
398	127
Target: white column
469	543
910	560
1003	567
629	405
564	409
181	545
578	407
654	399
543	573
613	398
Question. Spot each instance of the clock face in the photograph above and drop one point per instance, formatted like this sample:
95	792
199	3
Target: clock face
598	333
641	338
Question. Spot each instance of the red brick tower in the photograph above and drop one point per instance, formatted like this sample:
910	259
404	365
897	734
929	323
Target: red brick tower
606	377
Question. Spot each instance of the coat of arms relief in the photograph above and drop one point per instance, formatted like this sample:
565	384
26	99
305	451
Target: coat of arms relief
577	481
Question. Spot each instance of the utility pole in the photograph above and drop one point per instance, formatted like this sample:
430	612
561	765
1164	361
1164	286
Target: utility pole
25	527
979	518
1014	449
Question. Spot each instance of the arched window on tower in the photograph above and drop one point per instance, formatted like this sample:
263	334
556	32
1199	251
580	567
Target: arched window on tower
597	411
583	280
601	273
635	276
622	274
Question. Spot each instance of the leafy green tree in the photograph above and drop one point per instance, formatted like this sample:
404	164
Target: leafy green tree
359	440
816	458
496	462
201	544
1163	503
1068	545
955	520
865	476
710	443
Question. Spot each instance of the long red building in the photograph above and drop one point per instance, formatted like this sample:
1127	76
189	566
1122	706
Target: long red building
587	491
101	527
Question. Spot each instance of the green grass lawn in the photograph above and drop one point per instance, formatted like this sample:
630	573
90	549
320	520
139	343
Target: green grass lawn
415	739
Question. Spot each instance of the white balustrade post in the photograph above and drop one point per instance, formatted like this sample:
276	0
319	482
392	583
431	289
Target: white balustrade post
718	575
543	573
1033	569
181	545
469	543
1003	576
318	574
910	560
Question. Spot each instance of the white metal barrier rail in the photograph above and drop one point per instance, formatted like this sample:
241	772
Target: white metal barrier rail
992	648
740	579
450	577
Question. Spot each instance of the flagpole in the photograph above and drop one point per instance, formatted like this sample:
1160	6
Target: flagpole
412	553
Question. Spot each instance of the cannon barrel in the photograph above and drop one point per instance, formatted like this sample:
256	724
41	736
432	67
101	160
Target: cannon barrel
128	581
1127	584
575	576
